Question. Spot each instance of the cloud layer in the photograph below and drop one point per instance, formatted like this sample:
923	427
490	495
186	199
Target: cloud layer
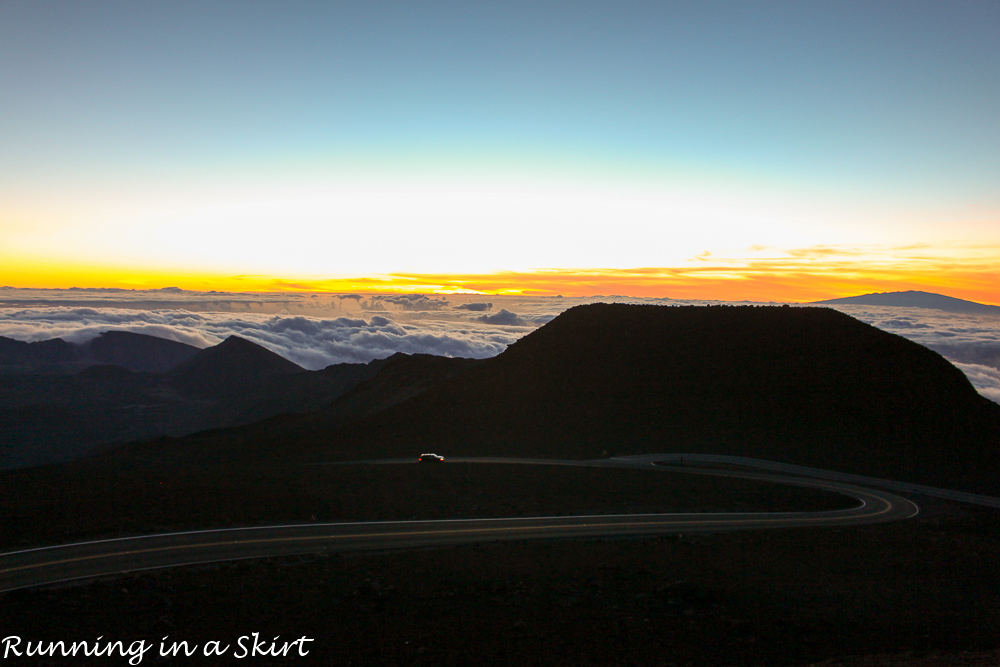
311	342
316	330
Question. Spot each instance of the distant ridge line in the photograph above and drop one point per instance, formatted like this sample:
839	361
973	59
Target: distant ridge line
914	299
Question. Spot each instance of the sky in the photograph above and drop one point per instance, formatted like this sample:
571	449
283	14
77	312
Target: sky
782	151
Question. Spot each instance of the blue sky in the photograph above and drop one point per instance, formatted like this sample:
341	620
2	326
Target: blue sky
881	113
833	87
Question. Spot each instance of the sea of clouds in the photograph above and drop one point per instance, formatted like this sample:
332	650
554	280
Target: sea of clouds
316	330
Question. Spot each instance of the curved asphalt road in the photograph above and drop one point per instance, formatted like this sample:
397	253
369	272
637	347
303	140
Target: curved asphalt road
47	565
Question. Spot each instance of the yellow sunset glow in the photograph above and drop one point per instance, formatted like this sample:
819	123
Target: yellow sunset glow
651	236
805	274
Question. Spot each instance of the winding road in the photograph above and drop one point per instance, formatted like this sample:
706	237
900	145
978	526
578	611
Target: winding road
48	565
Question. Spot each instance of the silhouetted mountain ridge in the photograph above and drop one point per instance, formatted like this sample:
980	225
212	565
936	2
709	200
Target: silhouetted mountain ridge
234	365
138	352
916	299
17	355
134	351
54	416
803	385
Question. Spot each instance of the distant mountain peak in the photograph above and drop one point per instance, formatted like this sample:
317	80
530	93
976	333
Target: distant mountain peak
914	299
233	363
238	342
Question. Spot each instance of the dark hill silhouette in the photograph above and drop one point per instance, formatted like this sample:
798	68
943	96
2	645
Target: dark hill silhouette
19	356
138	352
401	377
56	416
916	299
235	365
803	385
132	351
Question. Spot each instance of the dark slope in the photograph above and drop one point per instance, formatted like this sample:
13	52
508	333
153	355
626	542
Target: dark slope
803	385
19	356
916	299
389	382
402	377
135	352
233	366
54	417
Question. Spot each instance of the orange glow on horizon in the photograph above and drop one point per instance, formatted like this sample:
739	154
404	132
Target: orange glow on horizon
812	279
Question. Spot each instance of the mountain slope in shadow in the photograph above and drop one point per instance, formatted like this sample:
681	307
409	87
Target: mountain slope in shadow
20	356
402	377
136	352
50	417
803	385
234	366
